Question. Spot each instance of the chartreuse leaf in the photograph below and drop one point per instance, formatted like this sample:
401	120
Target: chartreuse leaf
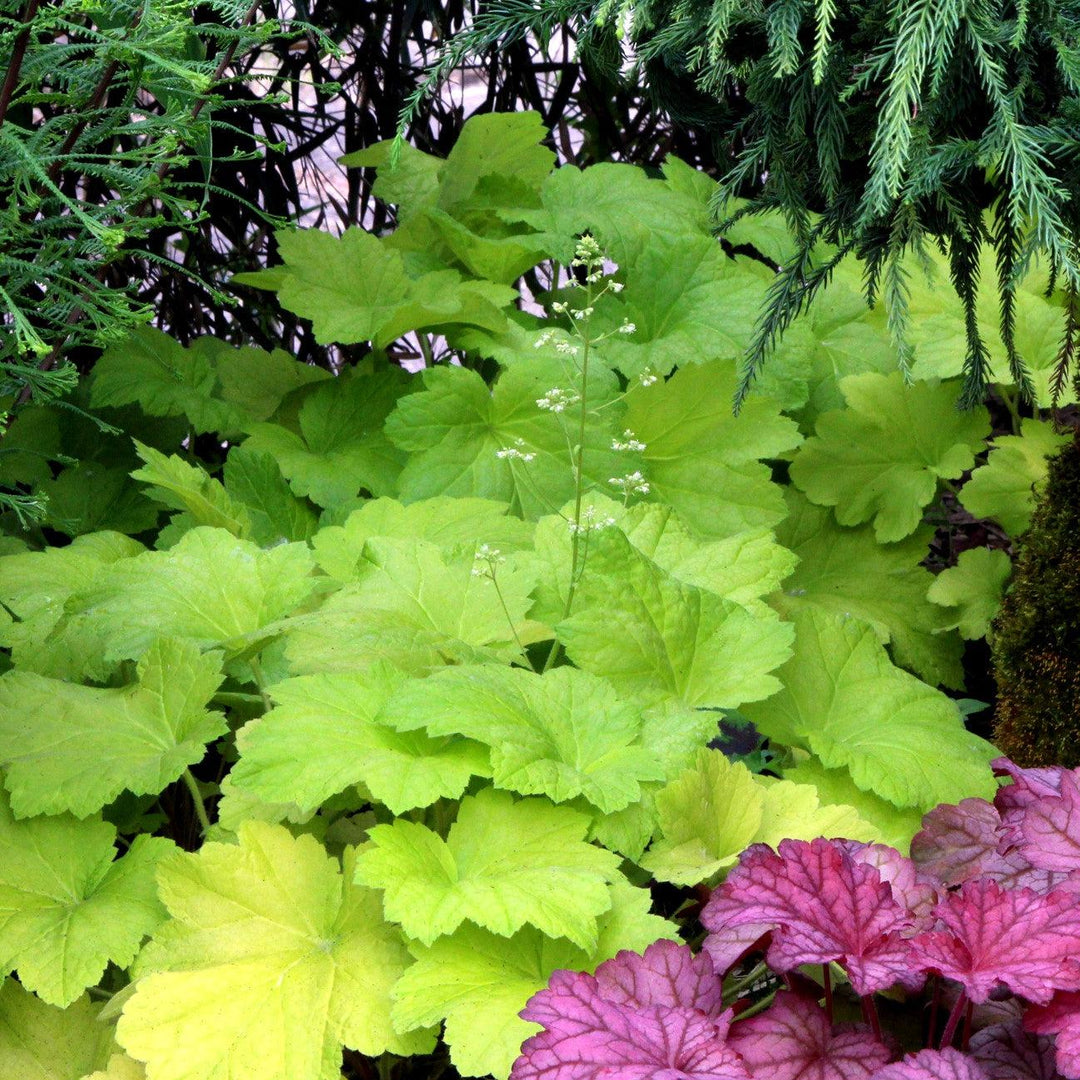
701	460
271	960
452	524
741	567
562	734
479	982
54	735
410	184
254	480
888	592
66	908
687	301
973	588
254	381
42	1042
649	633
714	810
356	287
210	587
91	497
835	788
120	1067
504	865
164	378
182	486
339	447
322	736
845	702
883	456
1005	487
36	585
455	428
414	607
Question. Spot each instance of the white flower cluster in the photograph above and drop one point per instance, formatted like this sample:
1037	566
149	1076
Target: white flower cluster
557	400
647	378
515	453
591	521
627	327
490	558
629	441
631	484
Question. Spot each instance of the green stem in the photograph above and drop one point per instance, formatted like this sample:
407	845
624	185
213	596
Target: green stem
196	798
260	682
1010	400
509	619
229	697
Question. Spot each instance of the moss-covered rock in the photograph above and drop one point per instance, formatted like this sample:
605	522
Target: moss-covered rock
1036	641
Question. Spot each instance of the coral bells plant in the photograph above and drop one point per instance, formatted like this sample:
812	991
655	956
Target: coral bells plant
970	949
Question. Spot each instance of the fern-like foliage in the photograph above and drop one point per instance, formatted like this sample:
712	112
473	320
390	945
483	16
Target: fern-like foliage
876	126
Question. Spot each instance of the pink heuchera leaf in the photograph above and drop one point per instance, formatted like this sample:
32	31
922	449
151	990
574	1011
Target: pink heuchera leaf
947	1064
667	974
824	906
1029	942
1049	831
651	1017
1061	1018
728	944
913	890
1007	1052
793	1040
1027	786
957	843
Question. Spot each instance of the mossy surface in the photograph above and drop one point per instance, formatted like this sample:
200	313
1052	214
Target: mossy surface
1036	641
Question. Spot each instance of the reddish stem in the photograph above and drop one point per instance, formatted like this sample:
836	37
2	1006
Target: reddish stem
954	1019
935	1005
870	1015
18	51
968	1015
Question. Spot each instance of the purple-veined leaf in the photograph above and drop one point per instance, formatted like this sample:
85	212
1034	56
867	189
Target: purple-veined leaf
1060	1018
793	1040
913	890
1008	1052
959	842
1049	831
947	1064
635	1020
728	944
666	974
824	905
1026	940
1027	786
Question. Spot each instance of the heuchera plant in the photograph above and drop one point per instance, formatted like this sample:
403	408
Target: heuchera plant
972	944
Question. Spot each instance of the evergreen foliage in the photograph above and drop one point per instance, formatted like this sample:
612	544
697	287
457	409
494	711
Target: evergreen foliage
880	128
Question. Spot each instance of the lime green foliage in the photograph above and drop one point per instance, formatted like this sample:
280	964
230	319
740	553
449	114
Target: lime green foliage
54	735
710	813
66	907
357	288
973	587
413	606
650	634
562	734
42	1042
889	591
455	428
326	732
1015	472
695	448
883	457
165	379
270	960
460	637
479	981
188	488
1036	643
505	864
846	703
210	587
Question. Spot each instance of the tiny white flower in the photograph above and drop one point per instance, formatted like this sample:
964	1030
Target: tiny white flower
648	378
543	339
564	348
631	484
559	307
582	313
616	286
627	327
